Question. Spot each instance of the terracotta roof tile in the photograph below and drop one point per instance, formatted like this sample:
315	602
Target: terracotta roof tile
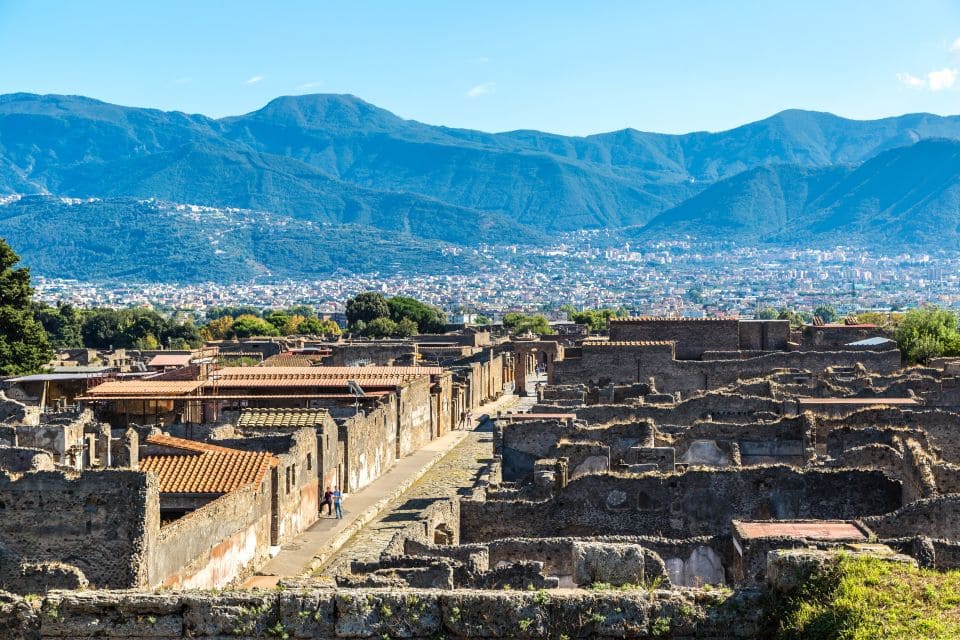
281	418
210	472
626	343
141	387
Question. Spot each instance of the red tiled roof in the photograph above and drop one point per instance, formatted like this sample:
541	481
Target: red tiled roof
145	387
208	472
205	467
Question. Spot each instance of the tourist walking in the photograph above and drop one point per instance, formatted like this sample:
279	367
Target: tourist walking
327	501
338	503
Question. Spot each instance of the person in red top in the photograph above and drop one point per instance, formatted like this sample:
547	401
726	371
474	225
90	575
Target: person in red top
328	501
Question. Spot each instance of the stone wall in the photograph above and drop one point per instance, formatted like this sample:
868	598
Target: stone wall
682	505
99	522
294	481
720	406
409	613
935	517
215	544
693	337
602	364
414	418
940	427
387	353
522	443
781	441
368	444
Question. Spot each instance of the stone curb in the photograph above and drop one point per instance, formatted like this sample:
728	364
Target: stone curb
374	510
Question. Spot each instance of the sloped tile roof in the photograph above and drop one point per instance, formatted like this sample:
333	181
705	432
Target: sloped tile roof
145	387
205	468
207	472
281	418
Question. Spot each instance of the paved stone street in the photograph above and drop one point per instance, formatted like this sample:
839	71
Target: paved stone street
457	474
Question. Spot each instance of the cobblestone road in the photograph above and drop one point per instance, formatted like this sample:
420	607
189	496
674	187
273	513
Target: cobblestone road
457	474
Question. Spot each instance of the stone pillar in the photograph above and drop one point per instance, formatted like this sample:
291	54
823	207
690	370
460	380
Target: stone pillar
103	445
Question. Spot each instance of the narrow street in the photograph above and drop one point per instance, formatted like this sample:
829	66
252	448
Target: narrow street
456	474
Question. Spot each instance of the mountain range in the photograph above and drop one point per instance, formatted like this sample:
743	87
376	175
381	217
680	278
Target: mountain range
333	167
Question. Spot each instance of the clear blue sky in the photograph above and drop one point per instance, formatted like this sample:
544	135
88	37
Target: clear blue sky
567	67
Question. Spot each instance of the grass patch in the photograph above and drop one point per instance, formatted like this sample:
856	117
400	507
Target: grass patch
869	599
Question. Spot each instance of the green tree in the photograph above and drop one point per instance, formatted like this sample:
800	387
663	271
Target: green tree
317	327
927	333
250	325
767	313
304	310
406	328
367	307
381	328
519	323
218	329
62	324
278	319
826	313
481	321
213	313
24	346
595	319
429	319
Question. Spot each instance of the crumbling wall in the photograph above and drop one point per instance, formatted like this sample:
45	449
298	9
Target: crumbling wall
215	544
935	517
414	427
628	364
781	441
100	522
368	441
408	613
681	505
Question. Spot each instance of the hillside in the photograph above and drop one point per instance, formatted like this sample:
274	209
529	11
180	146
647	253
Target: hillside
336	160
127	239
904	196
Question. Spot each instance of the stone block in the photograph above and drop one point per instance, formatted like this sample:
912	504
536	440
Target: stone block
613	563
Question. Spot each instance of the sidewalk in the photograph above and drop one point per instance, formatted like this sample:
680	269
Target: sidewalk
315	546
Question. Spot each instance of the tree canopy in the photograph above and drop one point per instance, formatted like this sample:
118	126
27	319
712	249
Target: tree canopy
595	319
24	347
372	314
928	332
519	323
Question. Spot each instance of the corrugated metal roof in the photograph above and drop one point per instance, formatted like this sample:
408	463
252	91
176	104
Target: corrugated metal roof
343	372
170	360
185	444
53	377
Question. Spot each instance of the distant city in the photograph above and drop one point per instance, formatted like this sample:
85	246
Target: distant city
588	270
